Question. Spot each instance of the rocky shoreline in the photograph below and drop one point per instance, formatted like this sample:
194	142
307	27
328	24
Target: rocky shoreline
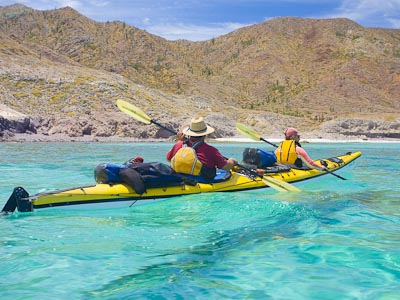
312	137
25	129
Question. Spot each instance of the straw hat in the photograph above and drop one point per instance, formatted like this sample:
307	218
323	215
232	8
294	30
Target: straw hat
197	128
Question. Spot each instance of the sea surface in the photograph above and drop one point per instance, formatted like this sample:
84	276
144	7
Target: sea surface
334	240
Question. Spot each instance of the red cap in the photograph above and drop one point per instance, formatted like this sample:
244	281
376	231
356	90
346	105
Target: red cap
138	159
291	132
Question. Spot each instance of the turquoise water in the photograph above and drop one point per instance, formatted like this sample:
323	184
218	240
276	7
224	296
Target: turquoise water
334	240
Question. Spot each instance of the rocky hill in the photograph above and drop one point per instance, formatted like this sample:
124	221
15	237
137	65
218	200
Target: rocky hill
61	73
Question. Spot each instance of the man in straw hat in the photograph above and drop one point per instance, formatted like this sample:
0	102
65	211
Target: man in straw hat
192	155
291	152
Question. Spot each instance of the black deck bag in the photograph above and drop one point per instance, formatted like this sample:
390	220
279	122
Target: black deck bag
113	173
108	173
156	174
133	179
139	176
258	157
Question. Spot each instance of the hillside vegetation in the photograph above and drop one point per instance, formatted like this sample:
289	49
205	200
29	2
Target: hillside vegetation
66	71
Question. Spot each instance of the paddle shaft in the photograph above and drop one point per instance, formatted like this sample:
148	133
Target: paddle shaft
272	144
338	176
163	127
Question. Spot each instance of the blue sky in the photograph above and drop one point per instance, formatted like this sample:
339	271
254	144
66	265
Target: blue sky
198	20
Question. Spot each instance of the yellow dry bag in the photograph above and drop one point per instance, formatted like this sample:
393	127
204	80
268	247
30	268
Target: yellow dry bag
186	161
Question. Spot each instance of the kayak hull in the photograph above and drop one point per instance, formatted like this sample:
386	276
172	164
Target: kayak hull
106	195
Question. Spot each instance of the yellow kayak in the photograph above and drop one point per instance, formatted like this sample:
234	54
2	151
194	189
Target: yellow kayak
122	194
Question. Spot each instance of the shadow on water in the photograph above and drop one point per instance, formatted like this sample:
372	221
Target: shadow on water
243	230
226	229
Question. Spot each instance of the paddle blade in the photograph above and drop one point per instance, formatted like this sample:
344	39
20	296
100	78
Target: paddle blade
133	111
247	131
271	184
283	185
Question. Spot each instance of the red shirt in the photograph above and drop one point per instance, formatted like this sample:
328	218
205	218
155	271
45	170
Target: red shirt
208	155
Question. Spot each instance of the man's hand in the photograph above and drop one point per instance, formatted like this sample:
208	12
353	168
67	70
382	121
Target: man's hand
323	163
232	161
180	136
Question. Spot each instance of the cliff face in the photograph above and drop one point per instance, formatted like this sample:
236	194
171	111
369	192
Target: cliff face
64	72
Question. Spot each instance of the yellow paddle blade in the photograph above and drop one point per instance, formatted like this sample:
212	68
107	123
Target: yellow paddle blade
133	111
280	184
247	131
271	184
277	184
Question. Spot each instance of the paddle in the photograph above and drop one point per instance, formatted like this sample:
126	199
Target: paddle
245	130
138	114
330	172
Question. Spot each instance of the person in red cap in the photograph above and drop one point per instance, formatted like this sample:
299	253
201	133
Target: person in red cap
138	160
290	151
192	155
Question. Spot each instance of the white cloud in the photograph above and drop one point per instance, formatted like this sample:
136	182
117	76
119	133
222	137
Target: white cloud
395	22
99	3
193	32
71	3
371	12
146	21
